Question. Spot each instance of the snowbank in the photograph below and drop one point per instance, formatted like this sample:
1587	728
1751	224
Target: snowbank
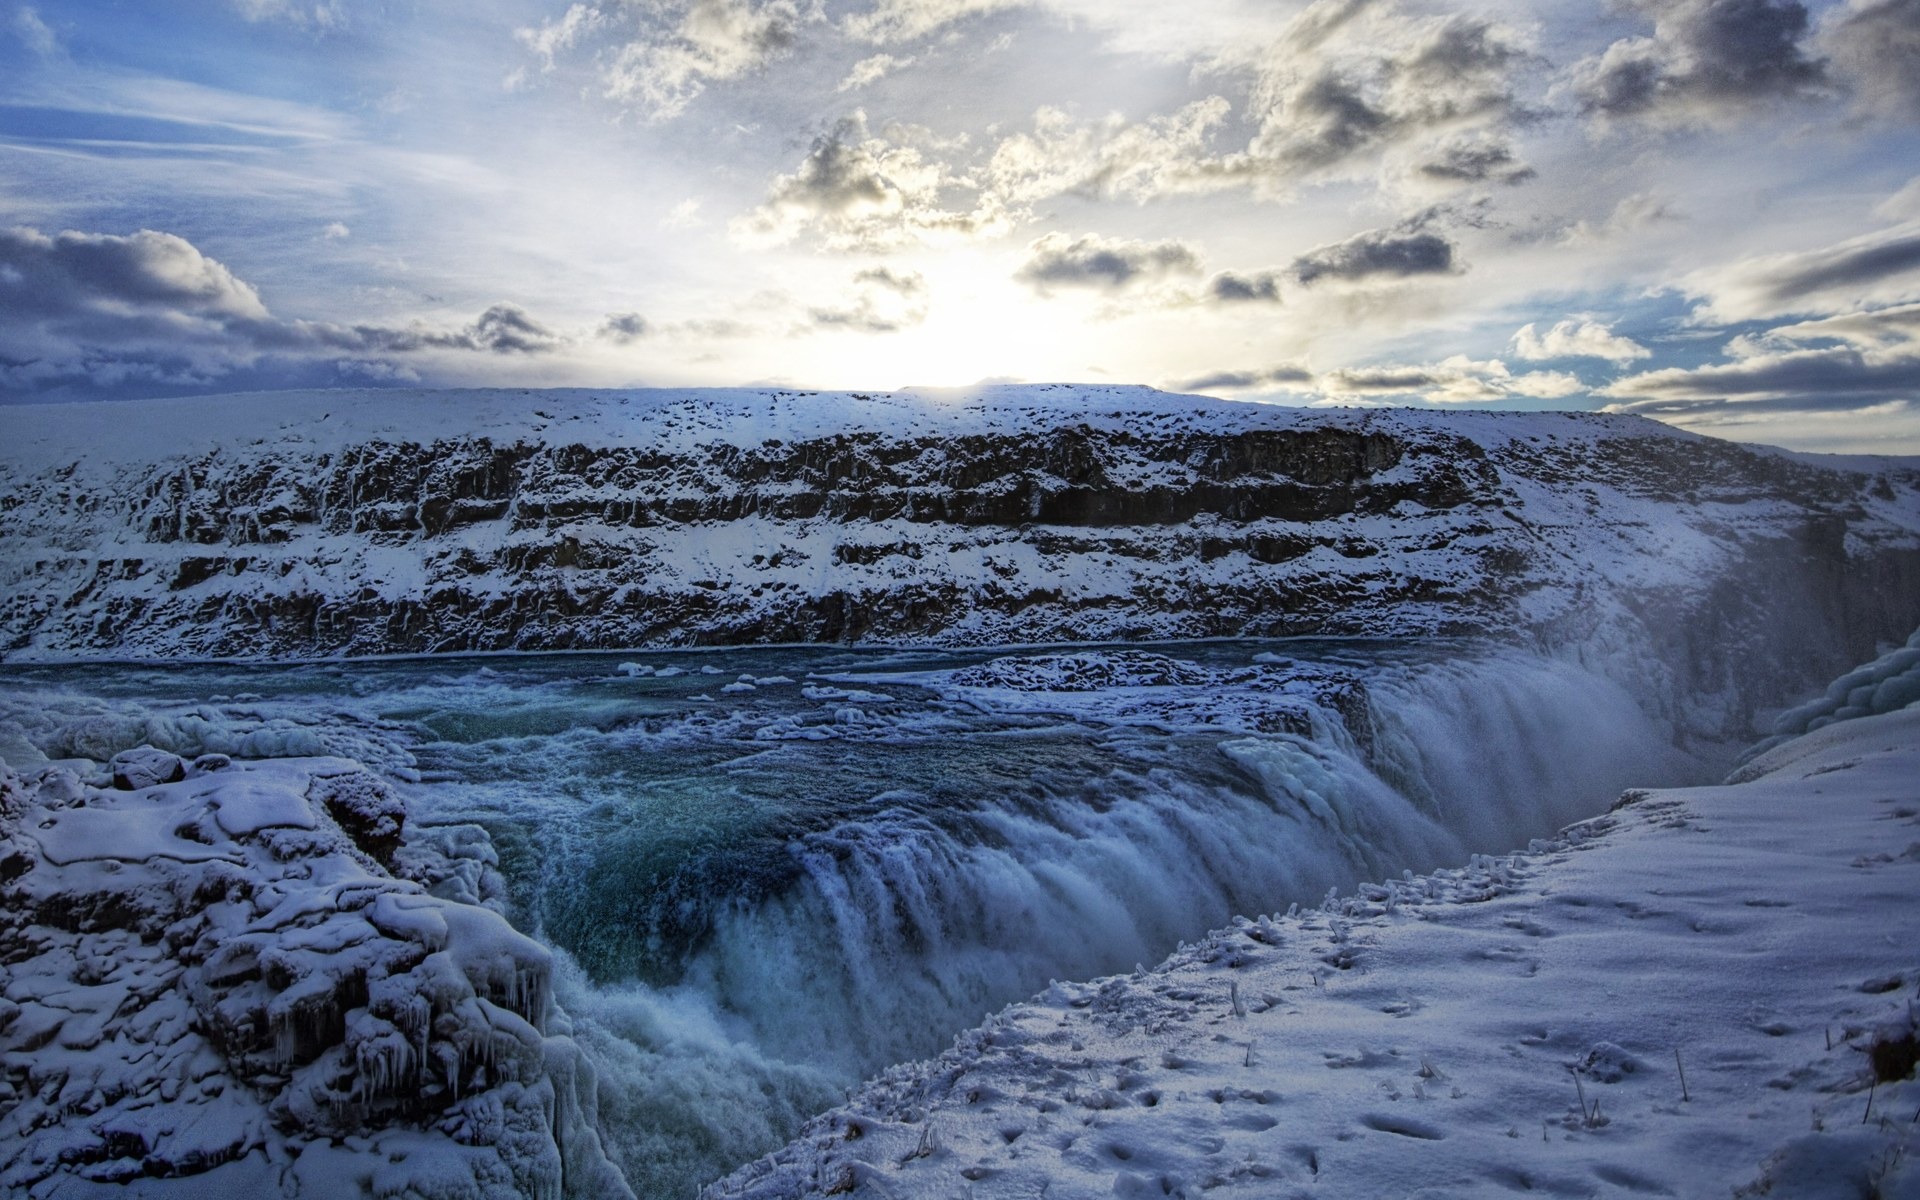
216	984
1520	1024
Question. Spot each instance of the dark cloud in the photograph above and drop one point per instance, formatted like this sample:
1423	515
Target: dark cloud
623	327
1805	376
1386	380
1478	160
106	313
1229	287
74	274
1865	272
1706	58
1316	110
1106	264
1397	253
509	329
1875	47
1848	266
1243	381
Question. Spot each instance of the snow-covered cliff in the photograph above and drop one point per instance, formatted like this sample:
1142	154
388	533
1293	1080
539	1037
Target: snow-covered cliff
311	524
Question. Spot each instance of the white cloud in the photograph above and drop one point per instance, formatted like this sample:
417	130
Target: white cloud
890	22
684	215
666	52
331	14
1576	338
1112	157
871	70
34	33
858	191
552	38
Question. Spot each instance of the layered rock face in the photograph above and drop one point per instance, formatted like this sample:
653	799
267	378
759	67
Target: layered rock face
357	523
247	979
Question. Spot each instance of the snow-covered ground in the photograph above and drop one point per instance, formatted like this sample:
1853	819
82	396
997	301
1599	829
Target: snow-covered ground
1519	1025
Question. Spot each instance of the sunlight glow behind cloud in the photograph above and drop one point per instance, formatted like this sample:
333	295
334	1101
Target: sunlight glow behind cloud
1702	211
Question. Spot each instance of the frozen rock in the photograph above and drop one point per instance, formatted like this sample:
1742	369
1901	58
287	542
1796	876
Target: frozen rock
216	980
145	766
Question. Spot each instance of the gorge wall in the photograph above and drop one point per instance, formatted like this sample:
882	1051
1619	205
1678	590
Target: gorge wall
329	523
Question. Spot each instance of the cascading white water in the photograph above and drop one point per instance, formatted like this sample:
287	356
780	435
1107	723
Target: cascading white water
774	893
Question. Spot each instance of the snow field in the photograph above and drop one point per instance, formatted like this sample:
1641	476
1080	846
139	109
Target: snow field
1519	1025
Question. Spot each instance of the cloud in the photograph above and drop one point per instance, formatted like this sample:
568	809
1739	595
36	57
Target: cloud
871	70
666	52
1231	287
1481	158
98	311
1811	377
335	231
1281	377
856	191
884	301
1630	215
1454	380
34	33
621	328
75	275
1877	268
1397	253
1706	60
553	38
1576	338
1344	84
510	329
320	17
890	22
1874	46
1103	264
1162	156
1878	329
1872	356
1320	101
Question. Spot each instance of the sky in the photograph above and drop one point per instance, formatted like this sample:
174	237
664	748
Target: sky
1705	211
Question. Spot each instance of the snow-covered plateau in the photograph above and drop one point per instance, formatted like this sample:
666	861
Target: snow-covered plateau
864	717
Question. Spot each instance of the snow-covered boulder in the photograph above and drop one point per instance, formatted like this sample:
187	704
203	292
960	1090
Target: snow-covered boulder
211	976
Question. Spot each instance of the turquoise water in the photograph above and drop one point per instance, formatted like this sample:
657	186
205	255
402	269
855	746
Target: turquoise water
766	891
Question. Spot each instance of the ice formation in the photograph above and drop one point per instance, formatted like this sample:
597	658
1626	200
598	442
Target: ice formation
239	979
